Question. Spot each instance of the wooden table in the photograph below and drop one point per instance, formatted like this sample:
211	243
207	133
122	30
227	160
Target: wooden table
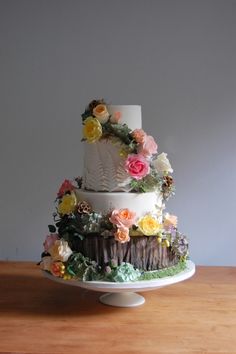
40	316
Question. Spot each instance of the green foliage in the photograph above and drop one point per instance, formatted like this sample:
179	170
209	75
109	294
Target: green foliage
83	268
120	131
146	184
85	115
161	273
122	273
52	229
70	227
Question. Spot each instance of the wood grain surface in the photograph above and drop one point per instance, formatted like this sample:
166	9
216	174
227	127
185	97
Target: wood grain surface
40	316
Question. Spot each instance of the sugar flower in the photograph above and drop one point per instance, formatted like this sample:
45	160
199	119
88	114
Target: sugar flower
66	186
149	225
68	204
122	217
92	130
45	263
137	166
148	147
162	164
170	221
139	135
115	118
122	234
57	269
60	251
101	113
50	240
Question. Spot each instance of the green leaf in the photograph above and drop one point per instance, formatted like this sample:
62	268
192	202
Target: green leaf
52	229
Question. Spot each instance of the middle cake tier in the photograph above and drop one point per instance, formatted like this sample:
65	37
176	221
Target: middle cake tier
140	203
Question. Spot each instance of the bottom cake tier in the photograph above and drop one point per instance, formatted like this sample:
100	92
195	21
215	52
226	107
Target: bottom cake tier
143	252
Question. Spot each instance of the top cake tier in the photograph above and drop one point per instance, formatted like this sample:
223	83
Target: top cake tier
119	156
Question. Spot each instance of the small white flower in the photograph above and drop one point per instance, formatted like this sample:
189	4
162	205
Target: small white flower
162	164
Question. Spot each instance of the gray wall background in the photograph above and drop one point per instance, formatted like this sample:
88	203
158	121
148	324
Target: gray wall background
176	58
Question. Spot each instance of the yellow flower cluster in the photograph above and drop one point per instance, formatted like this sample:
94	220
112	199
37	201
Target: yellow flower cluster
92	130
149	225
67	204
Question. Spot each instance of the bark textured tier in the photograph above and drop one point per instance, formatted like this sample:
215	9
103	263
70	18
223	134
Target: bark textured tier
143	252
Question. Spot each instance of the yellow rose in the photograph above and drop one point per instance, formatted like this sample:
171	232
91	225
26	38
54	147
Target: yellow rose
92	129
67	204
101	113
149	226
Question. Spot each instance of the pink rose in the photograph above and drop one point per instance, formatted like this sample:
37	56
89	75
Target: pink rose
137	166
122	234
66	186
122	217
139	135
148	147
50	240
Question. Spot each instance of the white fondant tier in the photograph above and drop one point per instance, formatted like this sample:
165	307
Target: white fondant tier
103	161
104	167
140	203
130	115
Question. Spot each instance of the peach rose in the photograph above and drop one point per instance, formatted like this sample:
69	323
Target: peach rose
60	251
101	113
122	217
170	221
139	135
137	166
148	147
115	118
122	234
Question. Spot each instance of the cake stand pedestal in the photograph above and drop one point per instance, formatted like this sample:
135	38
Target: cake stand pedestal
125	299
124	294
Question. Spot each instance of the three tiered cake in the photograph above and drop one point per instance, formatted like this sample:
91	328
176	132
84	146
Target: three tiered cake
110	224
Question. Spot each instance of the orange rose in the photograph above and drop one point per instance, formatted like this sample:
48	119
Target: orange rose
122	234
122	217
101	113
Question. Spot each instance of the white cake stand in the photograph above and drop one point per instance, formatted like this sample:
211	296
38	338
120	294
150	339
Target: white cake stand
124	294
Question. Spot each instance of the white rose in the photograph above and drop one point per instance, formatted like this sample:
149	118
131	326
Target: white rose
162	164
60	251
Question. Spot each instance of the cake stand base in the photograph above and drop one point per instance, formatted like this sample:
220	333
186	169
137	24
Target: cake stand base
124	294
126	299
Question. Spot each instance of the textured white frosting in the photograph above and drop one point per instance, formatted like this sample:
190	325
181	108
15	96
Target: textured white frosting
103	163
104	167
140	203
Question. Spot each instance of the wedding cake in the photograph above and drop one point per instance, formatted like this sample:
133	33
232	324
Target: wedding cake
111	224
